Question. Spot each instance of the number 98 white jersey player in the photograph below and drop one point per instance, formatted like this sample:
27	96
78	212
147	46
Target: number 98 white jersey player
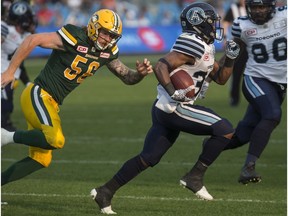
264	34
266	43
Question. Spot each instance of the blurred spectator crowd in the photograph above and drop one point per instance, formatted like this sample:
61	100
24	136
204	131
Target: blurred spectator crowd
134	13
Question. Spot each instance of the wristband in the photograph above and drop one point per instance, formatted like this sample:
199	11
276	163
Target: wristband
169	88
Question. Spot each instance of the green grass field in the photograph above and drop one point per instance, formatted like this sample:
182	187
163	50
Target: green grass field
105	123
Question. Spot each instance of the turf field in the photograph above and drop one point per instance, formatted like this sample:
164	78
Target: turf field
105	123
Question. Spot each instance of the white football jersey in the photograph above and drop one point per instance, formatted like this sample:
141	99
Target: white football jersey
10	41
266	46
190	44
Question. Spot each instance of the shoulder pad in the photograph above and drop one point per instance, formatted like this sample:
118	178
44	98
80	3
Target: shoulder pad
66	33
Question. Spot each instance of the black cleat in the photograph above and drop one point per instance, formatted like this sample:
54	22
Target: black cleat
248	174
193	181
103	197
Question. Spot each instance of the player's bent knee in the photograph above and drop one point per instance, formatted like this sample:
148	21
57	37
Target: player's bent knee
58	142
55	138
42	156
268	125
276	118
150	160
223	128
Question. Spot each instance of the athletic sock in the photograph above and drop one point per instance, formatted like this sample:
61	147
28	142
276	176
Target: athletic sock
19	170
250	158
127	172
212	149
34	138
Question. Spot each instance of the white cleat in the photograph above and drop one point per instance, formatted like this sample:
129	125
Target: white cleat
105	210
108	210
93	193
201	194
6	137
204	194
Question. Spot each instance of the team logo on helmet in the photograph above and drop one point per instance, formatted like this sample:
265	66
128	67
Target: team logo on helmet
195	16
19	9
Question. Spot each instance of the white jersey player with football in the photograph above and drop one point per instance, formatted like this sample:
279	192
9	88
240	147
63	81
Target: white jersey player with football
264	35
173	112
189	44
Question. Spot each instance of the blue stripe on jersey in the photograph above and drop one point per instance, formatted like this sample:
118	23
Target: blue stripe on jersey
199	116
252	87
189	47
4	31
236	30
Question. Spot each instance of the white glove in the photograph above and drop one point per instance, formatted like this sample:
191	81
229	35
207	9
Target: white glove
203	90
232	49
180	95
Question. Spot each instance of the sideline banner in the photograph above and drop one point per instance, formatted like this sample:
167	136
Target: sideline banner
142	40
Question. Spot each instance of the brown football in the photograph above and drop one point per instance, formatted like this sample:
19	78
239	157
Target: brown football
182	80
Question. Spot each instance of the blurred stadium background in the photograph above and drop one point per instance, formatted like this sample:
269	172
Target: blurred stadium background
150	27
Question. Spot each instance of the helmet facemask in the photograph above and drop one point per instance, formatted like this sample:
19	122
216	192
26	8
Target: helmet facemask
210	29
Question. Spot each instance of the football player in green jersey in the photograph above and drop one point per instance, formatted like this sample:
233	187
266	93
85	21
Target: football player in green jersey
77	54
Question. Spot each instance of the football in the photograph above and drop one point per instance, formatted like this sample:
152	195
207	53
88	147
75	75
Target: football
182	80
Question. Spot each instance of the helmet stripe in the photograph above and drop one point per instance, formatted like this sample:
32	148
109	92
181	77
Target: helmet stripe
116	23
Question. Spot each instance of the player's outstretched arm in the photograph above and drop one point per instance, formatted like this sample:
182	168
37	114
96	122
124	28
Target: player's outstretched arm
221	74
45	40
128	75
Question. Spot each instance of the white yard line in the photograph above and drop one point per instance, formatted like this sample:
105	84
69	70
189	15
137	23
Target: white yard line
284	165
146	198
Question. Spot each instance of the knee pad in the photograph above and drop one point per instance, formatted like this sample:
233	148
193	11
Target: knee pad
54	136
42	156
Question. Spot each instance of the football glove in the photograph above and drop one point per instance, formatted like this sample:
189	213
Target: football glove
203	90
180	95
232	49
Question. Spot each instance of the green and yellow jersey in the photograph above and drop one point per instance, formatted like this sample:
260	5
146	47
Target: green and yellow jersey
65	70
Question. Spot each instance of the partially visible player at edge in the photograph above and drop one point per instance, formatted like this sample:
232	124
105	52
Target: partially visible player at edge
263	33
173	112
17	22
78	52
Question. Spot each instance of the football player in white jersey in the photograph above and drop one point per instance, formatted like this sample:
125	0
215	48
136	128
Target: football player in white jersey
173	112
264	35
20	22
